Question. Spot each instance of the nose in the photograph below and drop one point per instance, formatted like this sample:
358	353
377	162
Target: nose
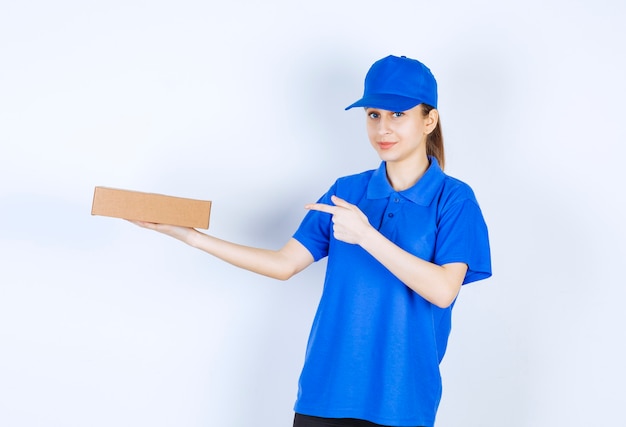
384	127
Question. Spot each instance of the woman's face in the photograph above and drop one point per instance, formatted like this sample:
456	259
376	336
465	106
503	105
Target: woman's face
399	136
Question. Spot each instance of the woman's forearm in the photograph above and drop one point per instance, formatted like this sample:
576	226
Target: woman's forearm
279	264
437	284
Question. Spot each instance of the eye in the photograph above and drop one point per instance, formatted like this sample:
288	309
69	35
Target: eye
373	115
398	114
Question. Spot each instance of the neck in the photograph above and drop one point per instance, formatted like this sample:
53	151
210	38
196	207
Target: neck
403	175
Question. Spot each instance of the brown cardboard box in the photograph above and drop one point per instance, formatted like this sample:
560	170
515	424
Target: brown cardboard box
150	207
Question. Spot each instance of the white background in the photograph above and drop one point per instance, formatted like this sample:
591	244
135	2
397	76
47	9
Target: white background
241	102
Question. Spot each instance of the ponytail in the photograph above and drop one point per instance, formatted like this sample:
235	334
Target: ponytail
434	140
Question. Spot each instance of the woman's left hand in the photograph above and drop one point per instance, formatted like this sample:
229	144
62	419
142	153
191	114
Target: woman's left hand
350	225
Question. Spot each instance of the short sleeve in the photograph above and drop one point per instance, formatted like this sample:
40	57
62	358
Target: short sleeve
462	236
315	229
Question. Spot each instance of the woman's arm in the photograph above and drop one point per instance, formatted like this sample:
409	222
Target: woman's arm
437	284
279	264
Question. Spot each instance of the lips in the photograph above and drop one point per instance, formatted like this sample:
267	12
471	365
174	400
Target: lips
386	145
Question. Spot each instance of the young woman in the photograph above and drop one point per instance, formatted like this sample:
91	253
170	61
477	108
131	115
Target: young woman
400	242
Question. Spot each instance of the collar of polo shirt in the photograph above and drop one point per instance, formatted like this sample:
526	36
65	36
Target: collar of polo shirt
422	193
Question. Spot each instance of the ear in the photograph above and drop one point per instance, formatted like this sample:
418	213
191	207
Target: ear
430	121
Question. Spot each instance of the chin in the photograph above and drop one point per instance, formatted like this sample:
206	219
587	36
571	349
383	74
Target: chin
387	157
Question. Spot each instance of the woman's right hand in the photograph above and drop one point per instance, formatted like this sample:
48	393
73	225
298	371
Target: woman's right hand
181	233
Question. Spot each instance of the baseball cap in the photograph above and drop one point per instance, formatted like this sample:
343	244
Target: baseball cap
398	84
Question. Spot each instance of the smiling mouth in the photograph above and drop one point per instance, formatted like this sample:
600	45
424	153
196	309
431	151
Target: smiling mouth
386	145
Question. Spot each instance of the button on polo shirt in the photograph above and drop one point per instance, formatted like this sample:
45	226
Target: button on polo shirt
375	345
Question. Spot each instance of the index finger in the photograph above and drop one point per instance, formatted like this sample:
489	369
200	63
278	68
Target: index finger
321	207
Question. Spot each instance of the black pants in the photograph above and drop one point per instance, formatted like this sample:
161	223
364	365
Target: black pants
309	421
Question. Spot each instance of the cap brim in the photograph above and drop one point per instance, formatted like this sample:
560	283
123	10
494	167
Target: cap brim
386	102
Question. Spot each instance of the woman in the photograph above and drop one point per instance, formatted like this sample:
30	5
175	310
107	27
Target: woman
400	241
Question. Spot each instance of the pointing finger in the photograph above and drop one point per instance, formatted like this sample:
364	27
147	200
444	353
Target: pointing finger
321	207
340	202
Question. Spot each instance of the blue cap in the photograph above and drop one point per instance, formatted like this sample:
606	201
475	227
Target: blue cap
398	84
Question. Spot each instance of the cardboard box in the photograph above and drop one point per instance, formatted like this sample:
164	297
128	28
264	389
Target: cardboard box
150	207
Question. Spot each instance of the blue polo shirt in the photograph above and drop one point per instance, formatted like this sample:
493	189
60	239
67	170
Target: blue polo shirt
375	344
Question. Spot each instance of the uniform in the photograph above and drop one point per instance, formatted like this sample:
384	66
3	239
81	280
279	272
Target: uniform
375	345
